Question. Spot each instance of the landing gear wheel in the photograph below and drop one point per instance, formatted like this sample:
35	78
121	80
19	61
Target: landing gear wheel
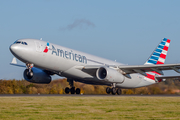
113	91
78	91
73	90
67	90
119	92
108	90
28	74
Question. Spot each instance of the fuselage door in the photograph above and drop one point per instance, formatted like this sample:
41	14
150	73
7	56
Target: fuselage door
38	46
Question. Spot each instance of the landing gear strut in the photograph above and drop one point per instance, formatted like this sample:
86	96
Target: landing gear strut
113	90
29	66
29	72
72	90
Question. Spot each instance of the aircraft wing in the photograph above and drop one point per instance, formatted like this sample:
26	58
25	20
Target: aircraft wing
89	69
129	69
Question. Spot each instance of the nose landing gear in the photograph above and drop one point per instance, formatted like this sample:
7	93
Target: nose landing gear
29	72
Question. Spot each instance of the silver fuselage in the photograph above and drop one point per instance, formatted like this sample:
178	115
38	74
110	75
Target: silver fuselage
67	62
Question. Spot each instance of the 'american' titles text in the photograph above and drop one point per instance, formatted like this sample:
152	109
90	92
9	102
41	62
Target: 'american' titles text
69	55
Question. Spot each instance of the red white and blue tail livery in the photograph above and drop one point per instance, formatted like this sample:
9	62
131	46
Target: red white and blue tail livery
160	53
158	57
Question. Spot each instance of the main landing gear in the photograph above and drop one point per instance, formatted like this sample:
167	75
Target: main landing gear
72	90
113	90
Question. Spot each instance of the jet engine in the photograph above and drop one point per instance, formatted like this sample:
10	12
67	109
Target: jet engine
37	76
109	74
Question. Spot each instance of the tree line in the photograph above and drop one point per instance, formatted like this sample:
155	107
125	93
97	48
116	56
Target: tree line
58	86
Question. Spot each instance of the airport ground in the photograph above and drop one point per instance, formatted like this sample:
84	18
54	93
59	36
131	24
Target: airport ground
49	107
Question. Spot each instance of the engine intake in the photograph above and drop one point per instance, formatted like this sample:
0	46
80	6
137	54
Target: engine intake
37	76
109	74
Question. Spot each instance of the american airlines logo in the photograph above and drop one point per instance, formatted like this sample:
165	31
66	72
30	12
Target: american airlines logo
47	48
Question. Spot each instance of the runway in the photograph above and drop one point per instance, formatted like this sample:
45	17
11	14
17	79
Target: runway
83	95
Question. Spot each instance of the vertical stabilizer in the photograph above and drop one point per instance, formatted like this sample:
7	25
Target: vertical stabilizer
160	53
158	57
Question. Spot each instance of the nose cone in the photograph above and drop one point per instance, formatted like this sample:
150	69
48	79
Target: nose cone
16	50
13	48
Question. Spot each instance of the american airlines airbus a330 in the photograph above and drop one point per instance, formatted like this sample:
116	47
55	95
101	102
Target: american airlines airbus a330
44	59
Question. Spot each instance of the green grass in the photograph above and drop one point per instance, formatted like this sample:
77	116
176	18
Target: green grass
66	107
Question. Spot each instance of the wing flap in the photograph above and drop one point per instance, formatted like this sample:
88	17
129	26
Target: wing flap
168	77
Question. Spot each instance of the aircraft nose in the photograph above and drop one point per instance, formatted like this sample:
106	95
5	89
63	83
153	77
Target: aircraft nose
13	48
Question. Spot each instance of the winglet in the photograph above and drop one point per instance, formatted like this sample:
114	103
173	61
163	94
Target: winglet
14	61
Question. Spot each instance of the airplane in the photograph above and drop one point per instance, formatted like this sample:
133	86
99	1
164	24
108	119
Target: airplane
43	59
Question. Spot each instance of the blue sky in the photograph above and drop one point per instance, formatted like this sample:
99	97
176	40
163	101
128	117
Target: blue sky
126	31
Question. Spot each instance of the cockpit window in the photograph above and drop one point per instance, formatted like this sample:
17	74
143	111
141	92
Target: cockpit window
15	41
24	43
20	42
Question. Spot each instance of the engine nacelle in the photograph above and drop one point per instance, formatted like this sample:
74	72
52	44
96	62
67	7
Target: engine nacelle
108	74
37	76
